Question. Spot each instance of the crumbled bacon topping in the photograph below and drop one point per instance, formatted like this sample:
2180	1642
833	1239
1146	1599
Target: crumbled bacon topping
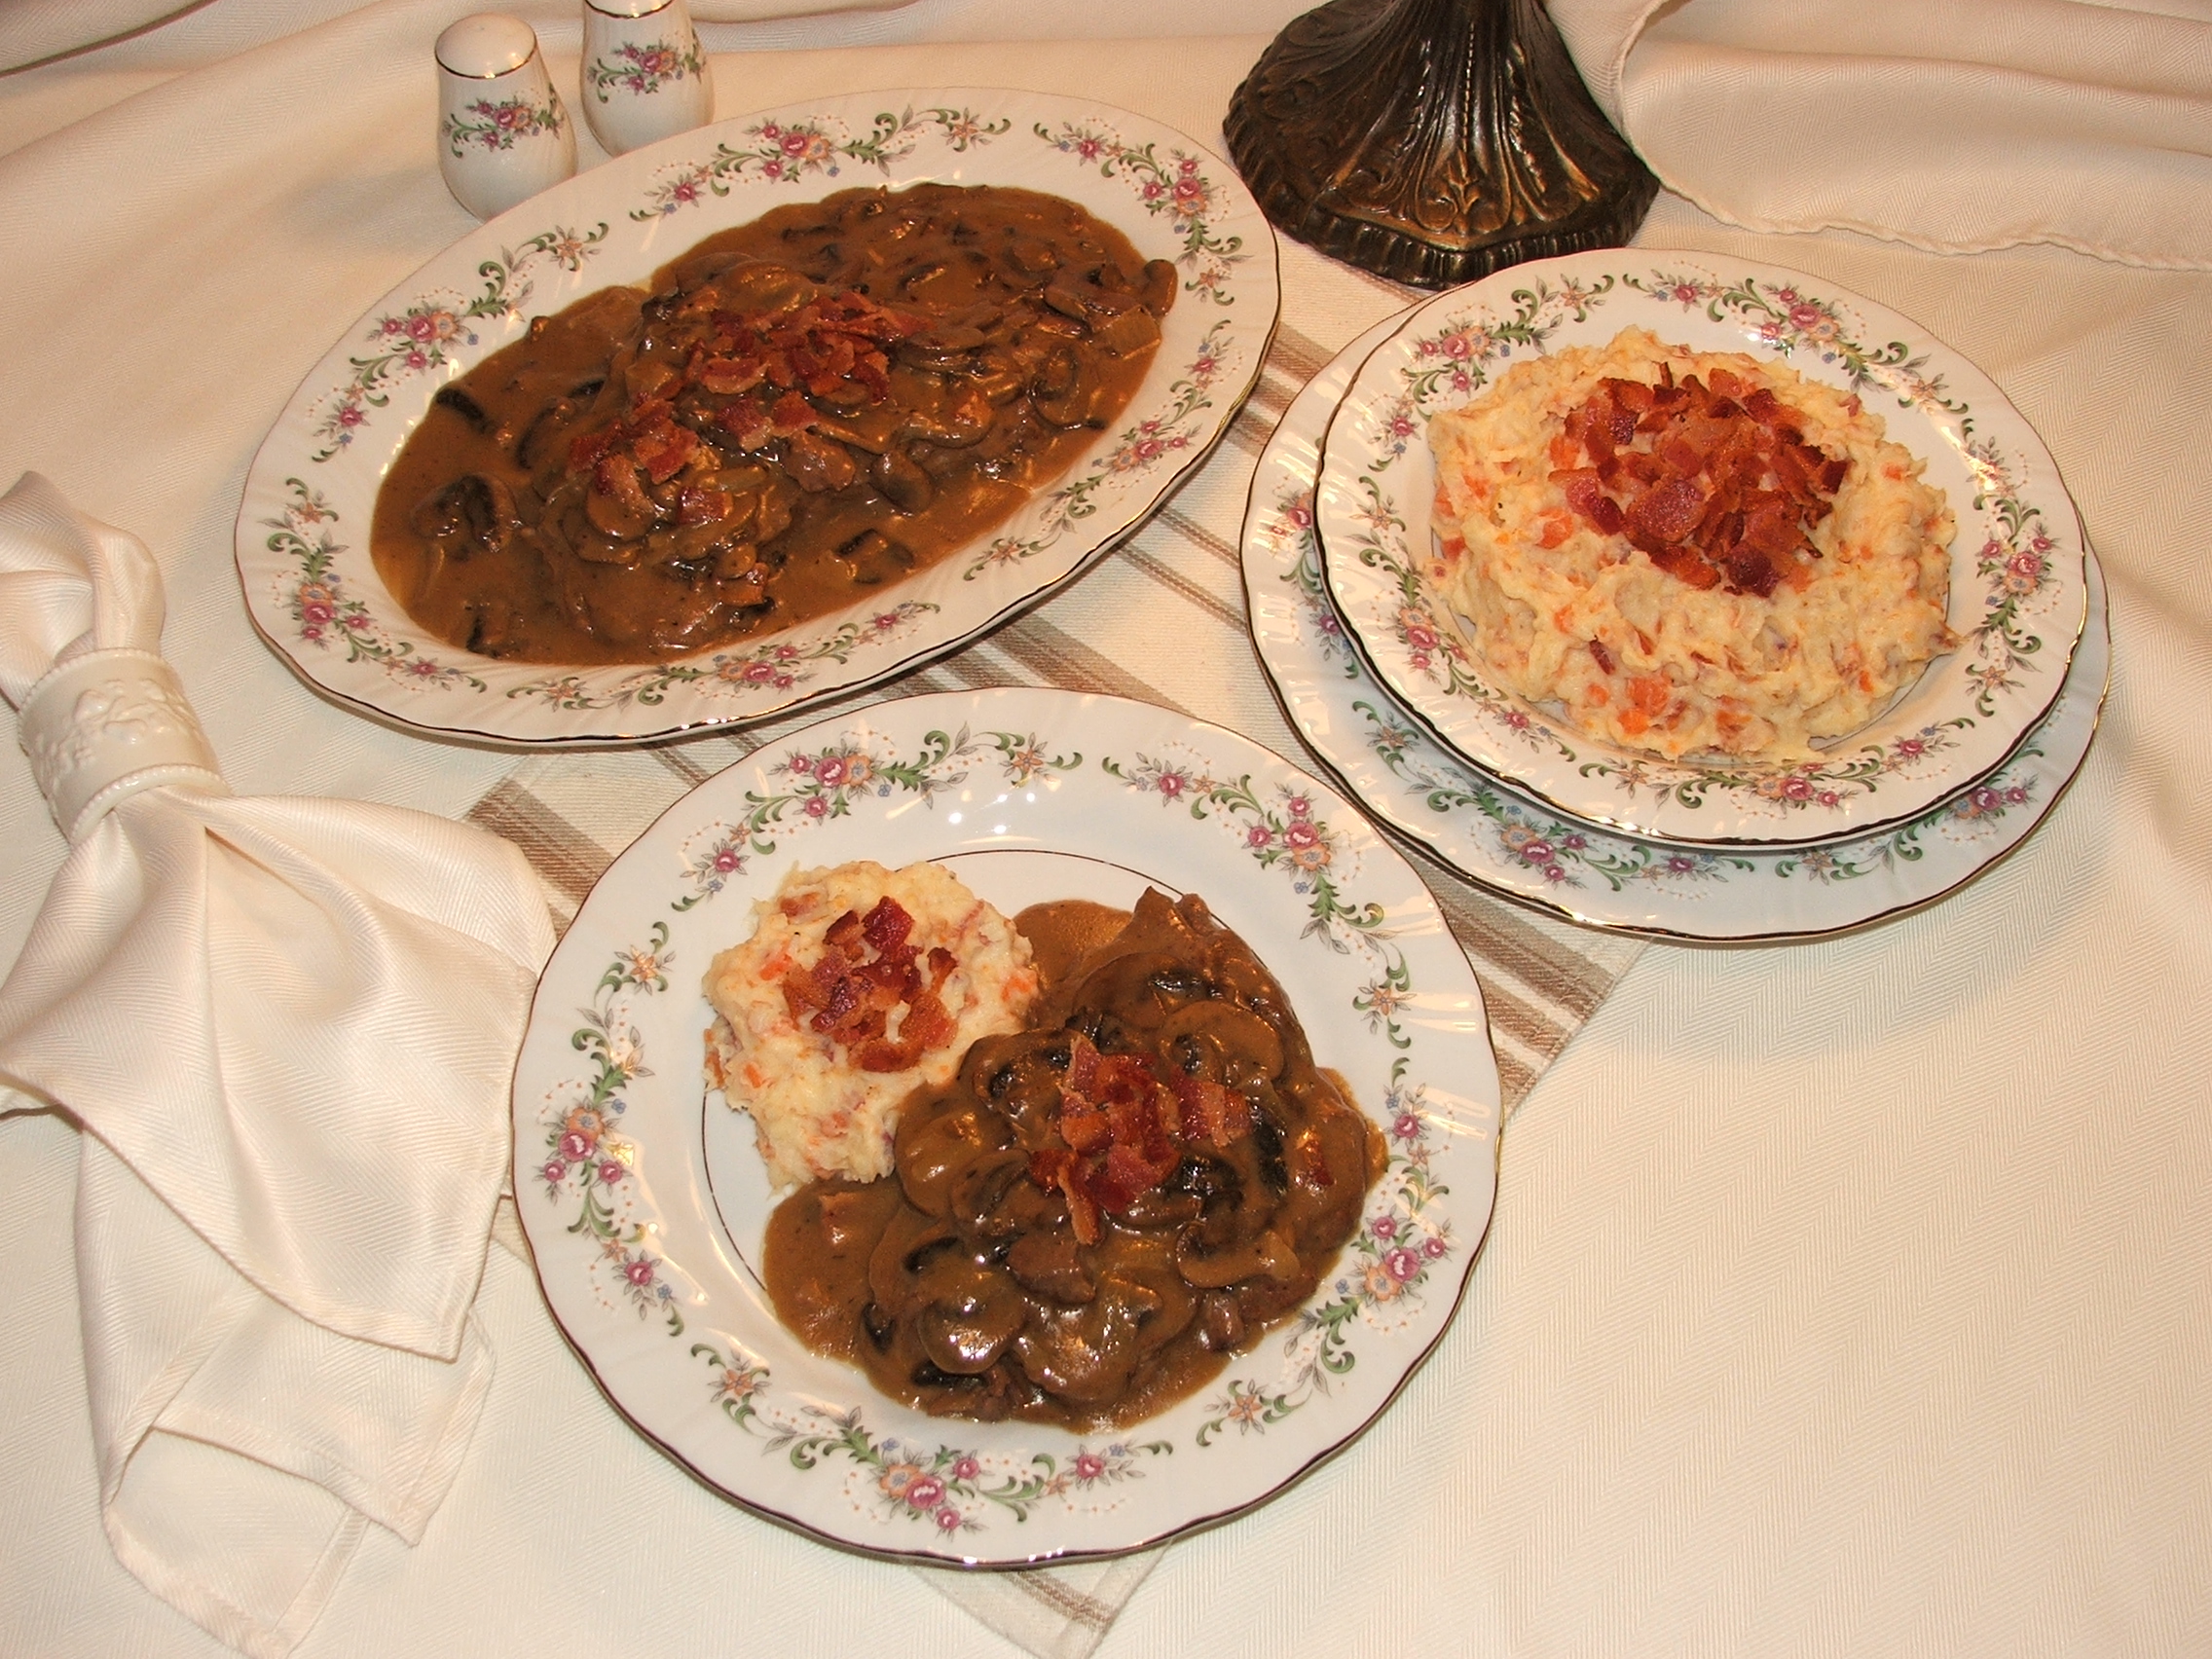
753	373
1125	1130
869	968
1712	480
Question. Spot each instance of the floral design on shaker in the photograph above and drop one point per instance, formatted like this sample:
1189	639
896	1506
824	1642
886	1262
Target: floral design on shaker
643	69
498	125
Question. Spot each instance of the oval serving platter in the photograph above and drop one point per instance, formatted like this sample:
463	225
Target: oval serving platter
645	1199
1415	787
2018	581
302	542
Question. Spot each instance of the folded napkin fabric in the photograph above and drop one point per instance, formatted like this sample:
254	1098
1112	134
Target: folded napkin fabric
287	1027
1955	126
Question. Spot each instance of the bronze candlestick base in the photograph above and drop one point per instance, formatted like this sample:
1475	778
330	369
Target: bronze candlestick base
1433	141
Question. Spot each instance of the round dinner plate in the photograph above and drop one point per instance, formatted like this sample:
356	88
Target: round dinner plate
2018	574
1508	842
646	1200
303	528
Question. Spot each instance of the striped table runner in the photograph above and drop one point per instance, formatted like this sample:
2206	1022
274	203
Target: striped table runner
1161	621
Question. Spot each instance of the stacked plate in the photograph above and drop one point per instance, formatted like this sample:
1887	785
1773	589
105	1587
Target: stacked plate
1374	667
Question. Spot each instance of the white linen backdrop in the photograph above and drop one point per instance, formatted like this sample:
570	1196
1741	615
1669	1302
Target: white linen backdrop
1843	1297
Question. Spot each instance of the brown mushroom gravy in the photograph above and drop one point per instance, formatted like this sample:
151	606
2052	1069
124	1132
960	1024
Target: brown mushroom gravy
1099	1209
795	412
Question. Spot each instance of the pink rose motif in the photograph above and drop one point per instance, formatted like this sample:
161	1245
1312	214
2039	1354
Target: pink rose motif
311	631
1574	843
1421	637
1829	797
795	143
318	610
1433	1248
350	415
774	170
1299	517
966	1469
1555	872
576	1147
924	1491
884	621
1987	800
799	766
1259	835
1787	296
770	131
1405	1127
1538	852
947	1518
1796	788
686	190
1299	833
1679	863
1383	1227
1171	783
1402	1264
817	807
1516	719
831	771
1087	149
1910	747
555	1171
758	673
1805	315
611	1171
1088	1467
1402	426
1190	164
1298	806
638	1273
1455	345
1685	292
418	359
727	860
1154	190
2015	797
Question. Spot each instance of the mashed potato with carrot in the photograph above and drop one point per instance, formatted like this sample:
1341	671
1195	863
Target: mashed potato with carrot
859	985
1689	553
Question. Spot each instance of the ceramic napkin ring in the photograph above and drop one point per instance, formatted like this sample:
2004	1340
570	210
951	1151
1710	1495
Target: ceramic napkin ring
105	725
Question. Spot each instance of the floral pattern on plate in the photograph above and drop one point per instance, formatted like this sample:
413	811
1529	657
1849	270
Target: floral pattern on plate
645	1209
1173	200
2018	582
1506	842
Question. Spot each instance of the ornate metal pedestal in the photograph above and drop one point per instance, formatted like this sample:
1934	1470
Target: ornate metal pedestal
1433	141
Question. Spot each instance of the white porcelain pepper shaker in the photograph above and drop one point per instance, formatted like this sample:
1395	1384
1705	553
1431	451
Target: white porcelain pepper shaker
503	133
643	76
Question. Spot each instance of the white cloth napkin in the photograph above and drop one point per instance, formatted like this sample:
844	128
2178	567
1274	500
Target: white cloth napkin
1955	126
287	1026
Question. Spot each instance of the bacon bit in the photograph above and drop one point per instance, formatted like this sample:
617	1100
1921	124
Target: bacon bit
868	968
701	505
1211	1111
1119	1123
726	377
1602	657
1713	481
792	414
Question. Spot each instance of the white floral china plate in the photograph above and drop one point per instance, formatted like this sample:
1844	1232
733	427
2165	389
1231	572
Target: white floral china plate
302	530
2018	581
1494	835
646	1200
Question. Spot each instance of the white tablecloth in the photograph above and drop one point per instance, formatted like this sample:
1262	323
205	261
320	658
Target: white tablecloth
1846	1297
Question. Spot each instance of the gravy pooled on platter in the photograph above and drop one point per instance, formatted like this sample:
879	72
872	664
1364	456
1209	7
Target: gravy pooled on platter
1100	1208
796	412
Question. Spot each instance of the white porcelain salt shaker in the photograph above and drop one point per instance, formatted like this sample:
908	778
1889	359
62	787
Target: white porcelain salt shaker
642	75
503	133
